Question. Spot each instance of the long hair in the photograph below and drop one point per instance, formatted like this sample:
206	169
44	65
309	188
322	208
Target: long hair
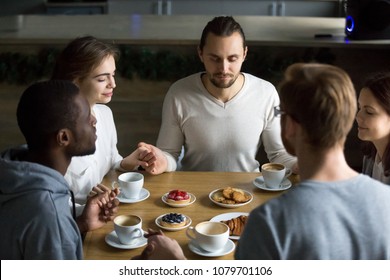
379	85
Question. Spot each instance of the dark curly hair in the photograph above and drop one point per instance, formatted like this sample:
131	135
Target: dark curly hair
44	108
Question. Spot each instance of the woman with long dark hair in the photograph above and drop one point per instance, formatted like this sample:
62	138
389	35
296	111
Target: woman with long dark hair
373	121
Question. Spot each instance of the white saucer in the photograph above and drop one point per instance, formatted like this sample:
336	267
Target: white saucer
158	223
113	240
259	182
229	247
192	200
144	194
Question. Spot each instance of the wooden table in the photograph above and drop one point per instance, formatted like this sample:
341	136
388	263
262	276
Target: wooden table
198	183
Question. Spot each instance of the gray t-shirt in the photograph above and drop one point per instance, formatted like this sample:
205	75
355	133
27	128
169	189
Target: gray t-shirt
321	220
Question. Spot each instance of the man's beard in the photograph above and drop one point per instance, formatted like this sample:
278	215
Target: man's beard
218	84
81	149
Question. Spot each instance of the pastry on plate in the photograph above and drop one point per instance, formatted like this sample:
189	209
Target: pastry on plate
236	225
173	220
230	195
178	197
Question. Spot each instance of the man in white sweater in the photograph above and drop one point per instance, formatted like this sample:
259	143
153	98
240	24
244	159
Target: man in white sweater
221	116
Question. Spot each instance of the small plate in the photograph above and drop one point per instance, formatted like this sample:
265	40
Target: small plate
158	223
230	205
228	216
113	240
259	182
229	247
144	194
192	200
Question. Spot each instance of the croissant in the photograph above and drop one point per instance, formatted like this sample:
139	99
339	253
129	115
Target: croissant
236	225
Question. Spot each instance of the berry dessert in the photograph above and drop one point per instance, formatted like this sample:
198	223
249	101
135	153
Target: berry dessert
173	220
178	197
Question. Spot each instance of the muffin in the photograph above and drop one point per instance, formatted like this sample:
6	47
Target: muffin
178	197
173	220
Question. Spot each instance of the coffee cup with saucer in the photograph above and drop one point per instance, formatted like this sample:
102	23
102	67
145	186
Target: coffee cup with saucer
274	177
130	183
209	238
274	174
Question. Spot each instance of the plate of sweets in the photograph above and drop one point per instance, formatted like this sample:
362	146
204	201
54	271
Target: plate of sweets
178	198
173	221
230	197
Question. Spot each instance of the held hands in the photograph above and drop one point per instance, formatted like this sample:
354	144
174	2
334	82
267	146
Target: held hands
100	208
147	156
160	247
155	161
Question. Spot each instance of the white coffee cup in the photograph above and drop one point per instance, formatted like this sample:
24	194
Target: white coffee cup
209	236
128	228
130	184
274	174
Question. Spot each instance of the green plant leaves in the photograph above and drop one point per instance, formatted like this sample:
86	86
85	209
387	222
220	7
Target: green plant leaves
157	64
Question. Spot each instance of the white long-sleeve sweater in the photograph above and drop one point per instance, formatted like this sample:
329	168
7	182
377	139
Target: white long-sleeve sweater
219	136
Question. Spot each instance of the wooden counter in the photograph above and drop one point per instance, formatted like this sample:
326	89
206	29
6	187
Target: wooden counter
179	30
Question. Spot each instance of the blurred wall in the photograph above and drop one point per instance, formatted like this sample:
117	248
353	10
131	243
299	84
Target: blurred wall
18	7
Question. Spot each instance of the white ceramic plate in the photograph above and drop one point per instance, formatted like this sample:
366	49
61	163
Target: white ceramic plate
228	216
158	223
229	247
230	205
259	183
113	240
144	194
192	200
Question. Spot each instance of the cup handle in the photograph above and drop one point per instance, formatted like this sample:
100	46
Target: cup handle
140	231
288	172
189	231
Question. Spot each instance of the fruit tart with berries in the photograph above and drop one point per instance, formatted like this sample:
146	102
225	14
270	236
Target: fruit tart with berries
173	220
178	197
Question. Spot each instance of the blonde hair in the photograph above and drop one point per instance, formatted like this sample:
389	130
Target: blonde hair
322	99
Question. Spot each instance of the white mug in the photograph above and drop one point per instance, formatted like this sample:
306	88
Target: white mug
274	174
130	184
128	228
210	236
